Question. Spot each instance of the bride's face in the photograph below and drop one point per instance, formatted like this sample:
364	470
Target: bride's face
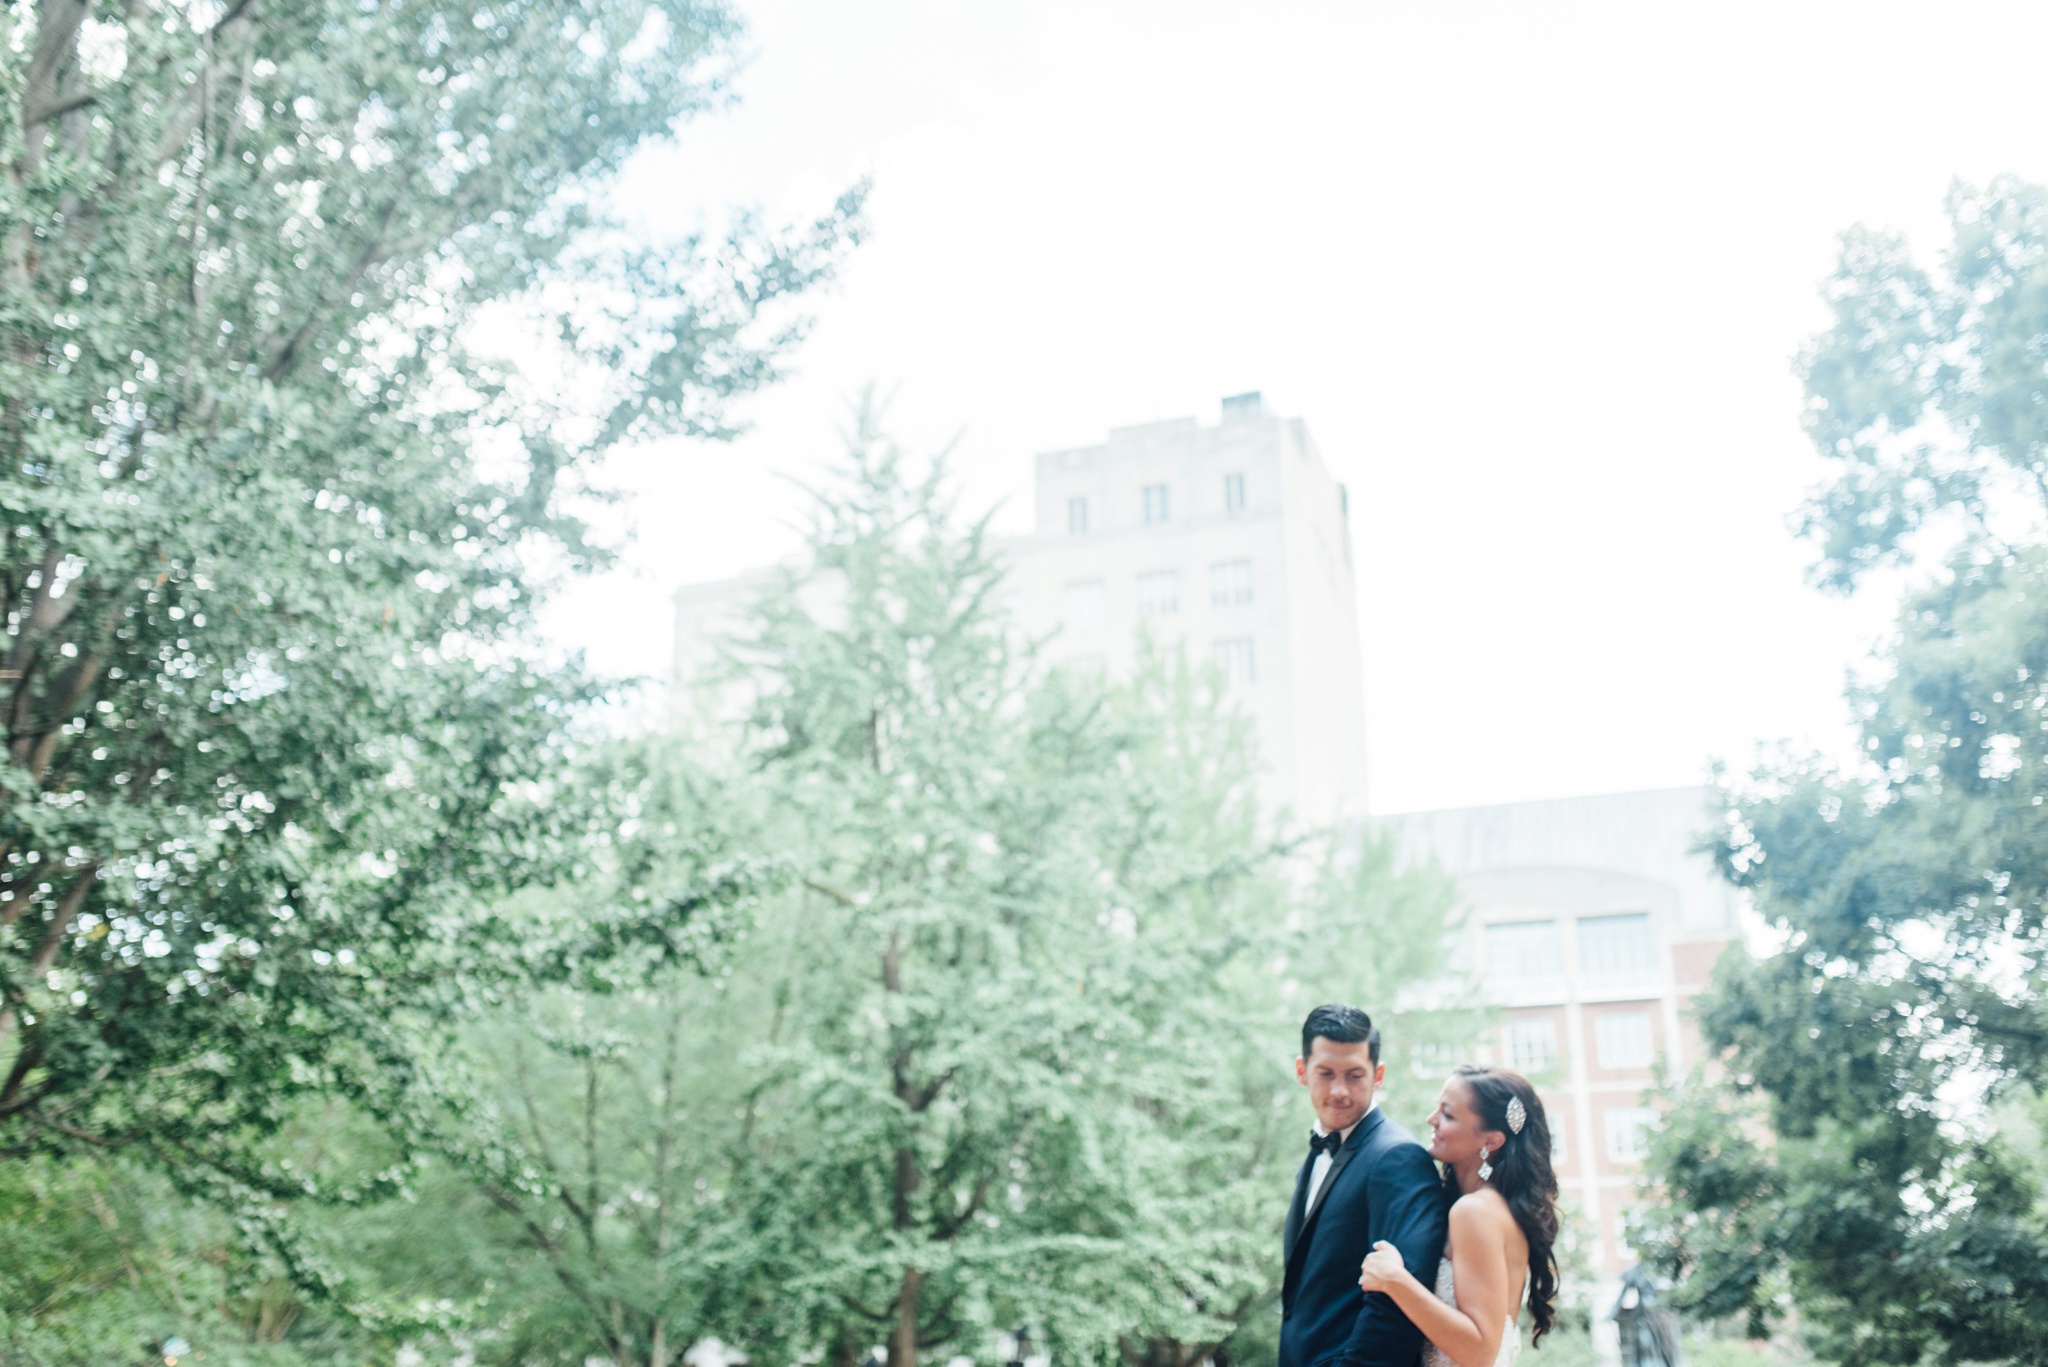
1456	1132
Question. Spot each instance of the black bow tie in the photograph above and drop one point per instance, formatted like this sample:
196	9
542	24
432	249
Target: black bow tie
1325	1143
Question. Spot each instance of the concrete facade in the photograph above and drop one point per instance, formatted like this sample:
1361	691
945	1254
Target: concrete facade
1229	544
1591	923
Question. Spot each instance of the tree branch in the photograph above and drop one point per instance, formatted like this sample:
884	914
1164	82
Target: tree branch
947	1229
878	1316
53	938
235	11
18	880
287	353
547	1245
24	1064
56	45
37	115
81	678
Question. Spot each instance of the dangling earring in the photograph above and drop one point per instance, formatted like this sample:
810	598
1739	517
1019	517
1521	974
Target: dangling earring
1485	1168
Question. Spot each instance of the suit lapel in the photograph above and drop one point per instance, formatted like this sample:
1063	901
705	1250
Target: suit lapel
1339	1163
1298	1234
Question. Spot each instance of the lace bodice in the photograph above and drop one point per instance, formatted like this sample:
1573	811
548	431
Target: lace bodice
1447	1292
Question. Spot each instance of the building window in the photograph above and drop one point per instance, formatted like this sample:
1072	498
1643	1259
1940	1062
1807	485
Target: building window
1233	493
1230	584
1523	956
1433	1060
1616	949
1623	1039
1087	603
1530	1045
1077	514
1158	593
1234	657
1155	503
1628	1133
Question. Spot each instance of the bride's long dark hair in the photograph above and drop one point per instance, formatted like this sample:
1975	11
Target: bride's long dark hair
1523	1176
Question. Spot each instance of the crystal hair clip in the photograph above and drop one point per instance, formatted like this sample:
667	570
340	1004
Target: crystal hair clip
1518	1114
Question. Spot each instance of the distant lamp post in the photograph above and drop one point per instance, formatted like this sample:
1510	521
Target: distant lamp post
1648	1336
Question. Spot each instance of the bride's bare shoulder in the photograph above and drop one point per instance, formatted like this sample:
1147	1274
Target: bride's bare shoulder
1482	1214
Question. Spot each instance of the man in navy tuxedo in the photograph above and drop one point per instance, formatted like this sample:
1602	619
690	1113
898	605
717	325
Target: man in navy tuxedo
1365	1179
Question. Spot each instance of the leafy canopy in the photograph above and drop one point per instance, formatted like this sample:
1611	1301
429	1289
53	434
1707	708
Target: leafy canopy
275	744
1909	1003
1008	1044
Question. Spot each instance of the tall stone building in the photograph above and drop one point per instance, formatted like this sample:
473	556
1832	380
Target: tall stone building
1228	544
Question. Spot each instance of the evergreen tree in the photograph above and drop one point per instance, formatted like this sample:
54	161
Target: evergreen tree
1002	1039
1030	1061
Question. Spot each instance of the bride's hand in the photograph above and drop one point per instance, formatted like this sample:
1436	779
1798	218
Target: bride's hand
1382	1268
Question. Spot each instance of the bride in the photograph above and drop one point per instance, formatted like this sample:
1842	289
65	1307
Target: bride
1490	1134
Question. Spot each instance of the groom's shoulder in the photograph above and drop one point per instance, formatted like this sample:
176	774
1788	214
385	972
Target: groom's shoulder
1396	1150
1389	1134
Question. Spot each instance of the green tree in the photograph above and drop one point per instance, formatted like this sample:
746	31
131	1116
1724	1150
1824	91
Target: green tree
1848	1166
1260	939
948	1128
926	1095
1035	1074
1061	1099
274	743
571	1198
619	1203
103	1262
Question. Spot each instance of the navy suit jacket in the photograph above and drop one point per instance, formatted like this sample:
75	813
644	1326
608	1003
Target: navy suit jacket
1381	1185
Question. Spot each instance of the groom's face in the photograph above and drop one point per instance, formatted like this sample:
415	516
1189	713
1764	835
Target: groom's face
1341	1080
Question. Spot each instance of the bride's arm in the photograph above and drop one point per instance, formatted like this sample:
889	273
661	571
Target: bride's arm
1469	1332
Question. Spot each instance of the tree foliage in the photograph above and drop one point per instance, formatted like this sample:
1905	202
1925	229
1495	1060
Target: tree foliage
103	1261
1907	1002
275	748
958	1119
1036	1078
1005	1039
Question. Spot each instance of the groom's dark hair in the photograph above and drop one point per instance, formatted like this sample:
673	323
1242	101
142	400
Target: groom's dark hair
1340	1024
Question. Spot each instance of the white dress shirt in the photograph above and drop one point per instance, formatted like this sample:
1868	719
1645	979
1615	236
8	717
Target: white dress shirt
1321	1169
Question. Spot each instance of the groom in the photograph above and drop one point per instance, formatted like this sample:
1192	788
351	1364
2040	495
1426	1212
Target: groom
1364	1180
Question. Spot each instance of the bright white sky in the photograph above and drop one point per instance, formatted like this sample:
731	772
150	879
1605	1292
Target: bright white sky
1533	274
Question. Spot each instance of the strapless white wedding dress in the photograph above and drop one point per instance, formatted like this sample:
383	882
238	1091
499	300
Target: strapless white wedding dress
1447	1292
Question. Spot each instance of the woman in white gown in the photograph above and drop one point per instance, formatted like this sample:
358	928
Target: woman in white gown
1490	1134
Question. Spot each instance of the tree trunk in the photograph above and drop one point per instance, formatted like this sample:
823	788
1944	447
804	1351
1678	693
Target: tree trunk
903	1334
